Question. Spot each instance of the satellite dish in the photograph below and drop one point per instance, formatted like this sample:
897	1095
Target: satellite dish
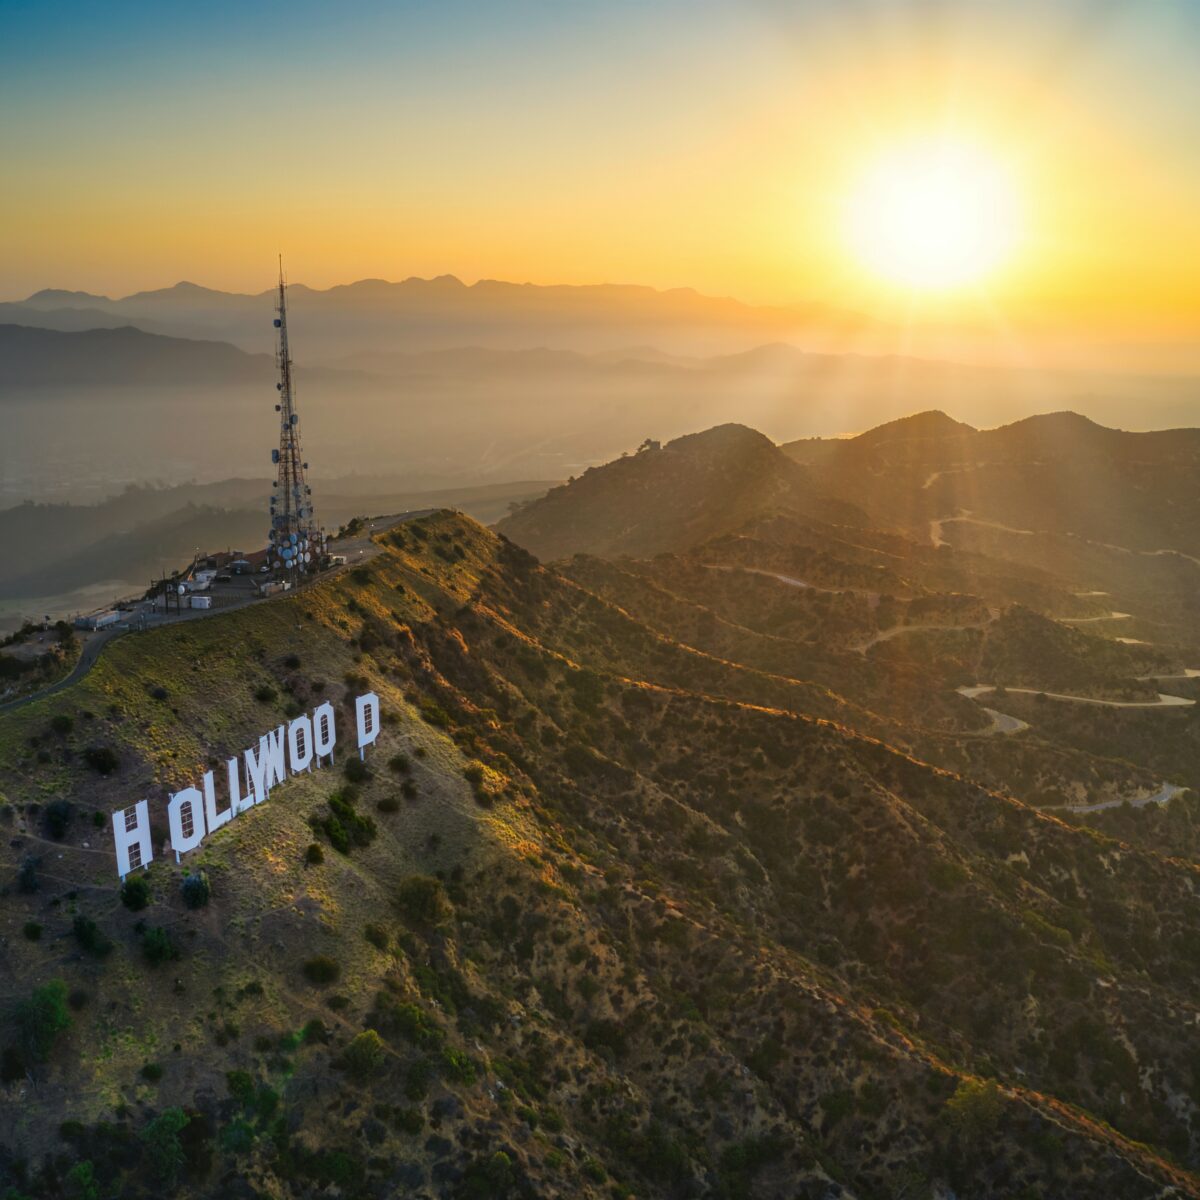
182	589
307	557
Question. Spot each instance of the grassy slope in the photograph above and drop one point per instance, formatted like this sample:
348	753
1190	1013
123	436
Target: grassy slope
721	945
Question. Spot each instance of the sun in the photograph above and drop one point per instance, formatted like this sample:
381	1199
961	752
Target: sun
933	216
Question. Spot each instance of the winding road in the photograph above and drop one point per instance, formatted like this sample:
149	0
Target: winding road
1163	701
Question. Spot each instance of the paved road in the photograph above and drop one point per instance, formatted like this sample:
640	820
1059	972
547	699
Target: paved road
1003	723
1162	702
1167	792
357	549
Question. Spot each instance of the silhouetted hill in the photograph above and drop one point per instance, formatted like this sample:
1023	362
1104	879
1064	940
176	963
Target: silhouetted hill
1059	473
31	357
670	497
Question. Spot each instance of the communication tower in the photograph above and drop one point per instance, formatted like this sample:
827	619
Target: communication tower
296	541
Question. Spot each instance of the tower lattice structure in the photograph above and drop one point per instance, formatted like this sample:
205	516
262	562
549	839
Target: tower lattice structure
296	541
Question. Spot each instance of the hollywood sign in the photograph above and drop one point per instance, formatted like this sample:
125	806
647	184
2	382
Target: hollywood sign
192	814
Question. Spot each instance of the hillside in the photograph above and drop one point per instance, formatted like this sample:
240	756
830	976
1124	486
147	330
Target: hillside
667	497
1054	474
31	357
589	921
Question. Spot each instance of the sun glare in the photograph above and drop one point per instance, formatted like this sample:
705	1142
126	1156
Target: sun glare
933	216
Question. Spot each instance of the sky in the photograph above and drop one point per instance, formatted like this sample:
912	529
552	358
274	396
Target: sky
707	144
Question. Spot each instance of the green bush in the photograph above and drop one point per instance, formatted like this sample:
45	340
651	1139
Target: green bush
80	1182
58	818
356	770
40	1019
422	899
376	935
152	1072
102	759
314	855
135	893
162	1143
975	1108
157	946
90	937
400	764
364	1055
32	931
322	969
61	724
265	693
196	890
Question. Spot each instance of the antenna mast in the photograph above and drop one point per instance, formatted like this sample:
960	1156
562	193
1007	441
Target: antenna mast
296	542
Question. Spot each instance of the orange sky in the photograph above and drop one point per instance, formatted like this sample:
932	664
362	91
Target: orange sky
706	145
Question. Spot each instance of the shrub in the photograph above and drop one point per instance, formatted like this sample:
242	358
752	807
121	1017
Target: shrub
61	724
27	880
364	1055
135	893
195	889
314	854
355	770
321	969
90	937
388	804
292	662
102	759
163	1146
152	1072
80	1182
400	764
408	790
241	1087
264	693
377	936
457	1066
157	947
975	1108
344	826
41	1018
159	693
408	1120
58	818
422	899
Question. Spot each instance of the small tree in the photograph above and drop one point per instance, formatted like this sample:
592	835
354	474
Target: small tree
41	1018
195	890
158	947
58	818
81	1183
321	969
422	899
364	1055
102	759
974	1109
135	893
163	1146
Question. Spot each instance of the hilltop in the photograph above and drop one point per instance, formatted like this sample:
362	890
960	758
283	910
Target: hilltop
603	913
669	497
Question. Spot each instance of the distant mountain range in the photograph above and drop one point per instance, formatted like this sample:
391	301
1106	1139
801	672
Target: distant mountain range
375	315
